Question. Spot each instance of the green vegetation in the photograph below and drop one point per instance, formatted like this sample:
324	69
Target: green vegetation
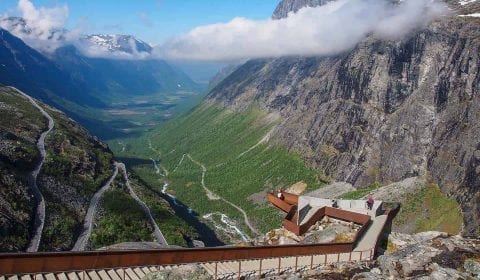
219	139
430	209
76	166
360	193
173	228
74	156
122	221
20	125
63	222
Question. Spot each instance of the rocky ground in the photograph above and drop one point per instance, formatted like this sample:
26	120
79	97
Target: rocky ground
424	256
75	166
427	255
324	231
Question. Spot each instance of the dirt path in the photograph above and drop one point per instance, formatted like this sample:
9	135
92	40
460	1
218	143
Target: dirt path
32	179
158	233
92	209
213	196
263	140
157	169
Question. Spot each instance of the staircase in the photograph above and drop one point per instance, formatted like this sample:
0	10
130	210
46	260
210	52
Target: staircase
218	270
136	273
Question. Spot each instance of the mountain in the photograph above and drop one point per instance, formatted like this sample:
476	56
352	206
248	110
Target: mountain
222	74
288	6
75	167
387	111
31	71
84	86
119	43
115	78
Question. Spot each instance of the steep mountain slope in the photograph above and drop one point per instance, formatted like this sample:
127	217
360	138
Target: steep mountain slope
76	166
29	70
217	162
288	6
385	111
123	43
84	86
111	79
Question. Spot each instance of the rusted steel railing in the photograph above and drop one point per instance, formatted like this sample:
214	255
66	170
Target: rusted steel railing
66	261
280	203
299	229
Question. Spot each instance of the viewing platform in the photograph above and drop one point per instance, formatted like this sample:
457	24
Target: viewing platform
221	262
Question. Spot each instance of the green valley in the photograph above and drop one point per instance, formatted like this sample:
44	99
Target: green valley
240	165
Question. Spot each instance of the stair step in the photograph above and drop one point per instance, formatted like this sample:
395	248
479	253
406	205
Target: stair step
139	272
131	274
113	275
61	276
103	275
93	275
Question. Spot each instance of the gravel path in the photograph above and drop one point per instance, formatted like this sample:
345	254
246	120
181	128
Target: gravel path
158	233
32	178
92	209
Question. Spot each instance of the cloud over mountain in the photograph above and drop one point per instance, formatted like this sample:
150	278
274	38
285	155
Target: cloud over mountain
326	30
44	29
41	28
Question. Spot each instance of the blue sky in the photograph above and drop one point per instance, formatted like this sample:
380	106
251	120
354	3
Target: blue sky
151	20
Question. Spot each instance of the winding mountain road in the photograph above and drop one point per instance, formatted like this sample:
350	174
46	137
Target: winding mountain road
32	178
92	209
158	233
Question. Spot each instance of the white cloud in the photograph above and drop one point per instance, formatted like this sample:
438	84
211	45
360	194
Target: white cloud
42	28
326	30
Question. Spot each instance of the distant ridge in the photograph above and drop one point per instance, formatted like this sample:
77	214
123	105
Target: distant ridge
287	6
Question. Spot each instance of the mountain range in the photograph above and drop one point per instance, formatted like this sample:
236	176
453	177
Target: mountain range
70	78
383	112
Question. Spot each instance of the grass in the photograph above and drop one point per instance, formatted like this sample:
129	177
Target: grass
431	210
216	137
173	228
360	193
122	221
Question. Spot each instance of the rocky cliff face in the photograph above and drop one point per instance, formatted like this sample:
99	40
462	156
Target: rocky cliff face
75	167
287	6
385	111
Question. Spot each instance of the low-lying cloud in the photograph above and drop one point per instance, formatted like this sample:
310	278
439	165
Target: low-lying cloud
41	28
325	30
44	29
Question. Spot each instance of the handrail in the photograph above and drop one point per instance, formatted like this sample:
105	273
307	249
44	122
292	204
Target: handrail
324	257
66	261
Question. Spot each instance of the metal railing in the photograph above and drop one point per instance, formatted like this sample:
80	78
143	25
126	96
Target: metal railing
235	269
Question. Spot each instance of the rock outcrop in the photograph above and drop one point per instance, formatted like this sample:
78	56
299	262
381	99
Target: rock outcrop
429	255
385	111
288	6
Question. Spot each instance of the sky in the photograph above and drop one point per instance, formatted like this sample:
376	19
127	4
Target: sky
214	30
153	21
